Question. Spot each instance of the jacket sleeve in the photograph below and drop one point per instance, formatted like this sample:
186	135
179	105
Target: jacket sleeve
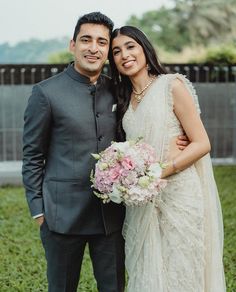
36	138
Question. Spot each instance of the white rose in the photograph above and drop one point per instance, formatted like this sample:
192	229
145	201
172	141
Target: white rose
155	170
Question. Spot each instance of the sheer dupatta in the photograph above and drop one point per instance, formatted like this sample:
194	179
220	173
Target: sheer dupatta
213	223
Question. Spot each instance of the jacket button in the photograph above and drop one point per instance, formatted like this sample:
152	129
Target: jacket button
100	138
97	115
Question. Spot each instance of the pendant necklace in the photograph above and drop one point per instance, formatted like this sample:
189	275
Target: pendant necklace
138	96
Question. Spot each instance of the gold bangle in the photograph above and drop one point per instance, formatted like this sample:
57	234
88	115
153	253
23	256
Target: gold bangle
174	166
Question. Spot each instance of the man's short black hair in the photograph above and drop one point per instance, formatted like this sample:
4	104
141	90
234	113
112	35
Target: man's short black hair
96	18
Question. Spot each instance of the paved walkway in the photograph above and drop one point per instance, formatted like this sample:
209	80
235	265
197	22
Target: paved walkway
10	172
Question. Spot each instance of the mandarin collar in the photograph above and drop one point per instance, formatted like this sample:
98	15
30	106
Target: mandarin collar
70	70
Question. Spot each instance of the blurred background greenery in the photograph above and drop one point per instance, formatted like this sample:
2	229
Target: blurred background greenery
191	31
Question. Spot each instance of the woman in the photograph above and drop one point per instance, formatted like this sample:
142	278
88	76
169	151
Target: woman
174	244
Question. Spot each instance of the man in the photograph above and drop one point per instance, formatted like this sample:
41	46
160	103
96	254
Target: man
68	117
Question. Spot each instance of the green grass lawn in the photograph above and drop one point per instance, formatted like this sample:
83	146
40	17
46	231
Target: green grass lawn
22	262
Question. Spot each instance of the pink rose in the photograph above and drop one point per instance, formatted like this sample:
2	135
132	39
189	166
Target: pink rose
127	163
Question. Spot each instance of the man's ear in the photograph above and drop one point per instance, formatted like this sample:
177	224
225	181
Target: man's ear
72	46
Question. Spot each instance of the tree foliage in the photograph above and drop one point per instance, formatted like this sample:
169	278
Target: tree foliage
189	22
162	28
207	20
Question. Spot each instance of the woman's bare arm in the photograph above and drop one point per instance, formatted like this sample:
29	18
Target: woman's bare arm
189	118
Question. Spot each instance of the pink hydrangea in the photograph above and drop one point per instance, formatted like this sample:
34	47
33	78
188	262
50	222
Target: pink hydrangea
127	172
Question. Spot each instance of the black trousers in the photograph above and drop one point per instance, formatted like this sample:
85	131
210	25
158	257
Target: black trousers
64	255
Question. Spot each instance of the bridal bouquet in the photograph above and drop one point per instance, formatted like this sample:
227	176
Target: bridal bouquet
127	172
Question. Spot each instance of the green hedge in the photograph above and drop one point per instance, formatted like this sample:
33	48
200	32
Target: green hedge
224	54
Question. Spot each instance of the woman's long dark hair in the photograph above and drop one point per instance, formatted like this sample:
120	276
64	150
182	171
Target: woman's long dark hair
122	84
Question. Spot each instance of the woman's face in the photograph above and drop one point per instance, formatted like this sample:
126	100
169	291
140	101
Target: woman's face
128	56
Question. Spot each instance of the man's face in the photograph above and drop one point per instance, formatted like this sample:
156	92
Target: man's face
90	49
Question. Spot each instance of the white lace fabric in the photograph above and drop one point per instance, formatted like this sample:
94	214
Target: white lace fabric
174	244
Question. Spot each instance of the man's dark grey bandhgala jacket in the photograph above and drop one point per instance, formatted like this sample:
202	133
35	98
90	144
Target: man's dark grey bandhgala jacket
68	118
